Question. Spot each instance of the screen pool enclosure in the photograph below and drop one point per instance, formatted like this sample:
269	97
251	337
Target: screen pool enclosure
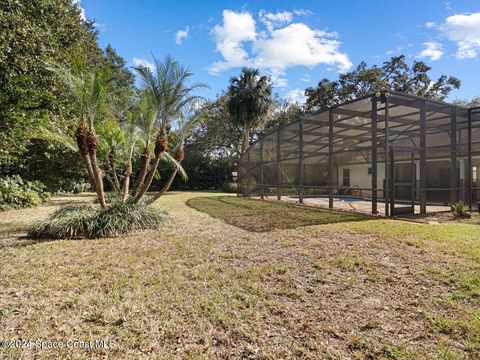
392	152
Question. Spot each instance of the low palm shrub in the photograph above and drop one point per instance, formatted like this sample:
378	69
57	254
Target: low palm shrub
230	187
16	193
92	221
461	210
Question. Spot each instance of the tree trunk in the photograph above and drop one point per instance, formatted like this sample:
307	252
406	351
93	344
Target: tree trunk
81	135
144	160
88	165
149	179
113	165
126	183
92	144
246	140
97	173
165	187
161	145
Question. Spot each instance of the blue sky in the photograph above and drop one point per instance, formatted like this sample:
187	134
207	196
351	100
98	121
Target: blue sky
298	43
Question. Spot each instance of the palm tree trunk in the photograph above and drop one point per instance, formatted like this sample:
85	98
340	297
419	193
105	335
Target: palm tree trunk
165	187
246	139
97	173
144	160
161	145
113	166
126	184
81	136
149	179
88	165
92	143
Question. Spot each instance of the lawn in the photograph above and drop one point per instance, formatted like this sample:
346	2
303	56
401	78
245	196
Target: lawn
233	278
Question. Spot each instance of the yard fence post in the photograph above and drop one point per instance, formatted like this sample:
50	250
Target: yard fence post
279	172
300	159
387	154
453	155
469	160
423	161
374	153
262	176
330	159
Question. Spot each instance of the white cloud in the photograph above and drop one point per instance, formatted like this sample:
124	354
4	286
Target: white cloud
278	78
296	96
432	50
143	62
181	35
430	25
464	30
306	78
297	44
82	10
279	47
272	20
230	36
302	12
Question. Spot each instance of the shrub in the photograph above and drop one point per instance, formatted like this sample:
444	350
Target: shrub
90	221
229	187
461	210
16	193
70	221
80	187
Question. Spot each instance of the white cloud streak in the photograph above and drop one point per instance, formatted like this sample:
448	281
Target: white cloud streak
181	35
143	62
272	20
432	50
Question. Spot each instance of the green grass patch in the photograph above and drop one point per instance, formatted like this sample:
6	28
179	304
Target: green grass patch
259	216
467	327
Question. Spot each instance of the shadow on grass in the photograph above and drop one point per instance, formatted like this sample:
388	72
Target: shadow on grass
261	216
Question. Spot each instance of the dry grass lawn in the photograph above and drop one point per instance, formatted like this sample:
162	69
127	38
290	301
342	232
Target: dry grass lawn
236	278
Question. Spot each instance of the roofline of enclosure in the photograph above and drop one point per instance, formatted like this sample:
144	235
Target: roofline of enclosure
397	93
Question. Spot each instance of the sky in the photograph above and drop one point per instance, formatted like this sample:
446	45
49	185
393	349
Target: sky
297	43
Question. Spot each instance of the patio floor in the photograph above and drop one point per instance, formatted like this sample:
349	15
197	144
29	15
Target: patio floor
361	206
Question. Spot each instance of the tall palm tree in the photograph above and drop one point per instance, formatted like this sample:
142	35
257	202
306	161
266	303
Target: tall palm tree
186	122
166	86
89	91
249	100
146	117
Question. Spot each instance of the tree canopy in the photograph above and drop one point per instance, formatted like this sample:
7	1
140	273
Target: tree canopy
395	74
32	32
249	100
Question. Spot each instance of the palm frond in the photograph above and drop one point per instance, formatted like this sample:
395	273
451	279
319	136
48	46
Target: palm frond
171	160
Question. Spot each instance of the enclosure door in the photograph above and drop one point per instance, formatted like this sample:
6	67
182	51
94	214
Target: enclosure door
403	175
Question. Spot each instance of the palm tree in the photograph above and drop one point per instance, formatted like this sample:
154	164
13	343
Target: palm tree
89	90
186	122
166	87
146	116
112	140
249	100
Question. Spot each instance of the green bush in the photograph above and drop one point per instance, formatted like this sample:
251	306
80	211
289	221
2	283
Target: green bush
16	193
461	210
90	221
230	187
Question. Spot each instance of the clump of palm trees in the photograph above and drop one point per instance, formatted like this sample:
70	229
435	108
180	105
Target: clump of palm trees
109	146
